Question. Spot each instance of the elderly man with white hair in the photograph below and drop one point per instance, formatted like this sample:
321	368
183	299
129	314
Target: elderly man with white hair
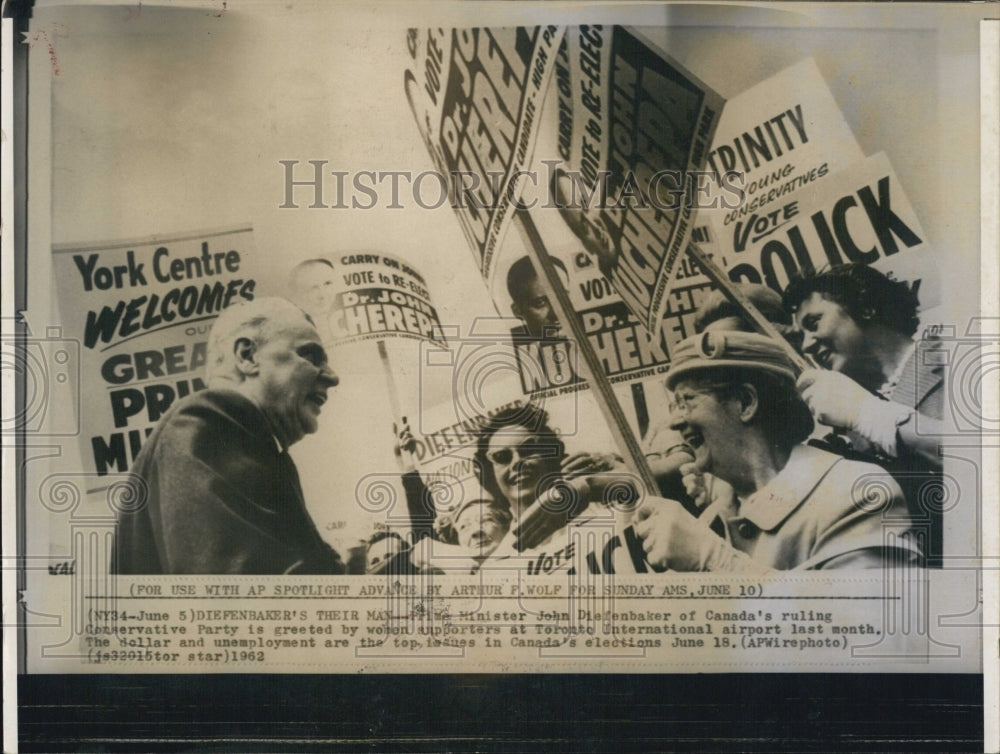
219	493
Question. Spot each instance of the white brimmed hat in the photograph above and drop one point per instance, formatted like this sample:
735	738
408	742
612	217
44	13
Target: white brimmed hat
715	350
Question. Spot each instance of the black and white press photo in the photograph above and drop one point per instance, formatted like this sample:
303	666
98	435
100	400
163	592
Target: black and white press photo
517	337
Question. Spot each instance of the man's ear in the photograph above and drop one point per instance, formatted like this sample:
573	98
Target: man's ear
245	351
515	307
749	402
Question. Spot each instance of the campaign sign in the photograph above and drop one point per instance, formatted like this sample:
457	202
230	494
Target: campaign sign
381	297
142	311
634	125
477	97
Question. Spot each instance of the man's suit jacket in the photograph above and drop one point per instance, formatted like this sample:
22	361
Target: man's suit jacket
219	497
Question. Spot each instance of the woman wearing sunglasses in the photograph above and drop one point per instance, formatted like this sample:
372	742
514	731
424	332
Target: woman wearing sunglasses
521	460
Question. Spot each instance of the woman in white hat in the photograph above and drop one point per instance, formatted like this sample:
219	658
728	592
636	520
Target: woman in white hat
794	506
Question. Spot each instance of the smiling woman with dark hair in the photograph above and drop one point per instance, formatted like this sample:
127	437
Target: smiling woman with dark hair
521	462
880	387
857	322
522	466
519	456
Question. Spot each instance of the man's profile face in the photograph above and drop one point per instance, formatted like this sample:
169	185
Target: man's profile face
481	526
292	380
534	307
830	335
314	289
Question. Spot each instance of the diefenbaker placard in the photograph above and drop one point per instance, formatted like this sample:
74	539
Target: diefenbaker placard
433	486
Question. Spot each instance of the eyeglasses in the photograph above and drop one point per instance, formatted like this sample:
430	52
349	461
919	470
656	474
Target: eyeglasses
684	401
526	449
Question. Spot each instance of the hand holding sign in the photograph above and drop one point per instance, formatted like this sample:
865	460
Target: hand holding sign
553	509
672	538
703	489
834	398
580	464
675	540
588	478
405	447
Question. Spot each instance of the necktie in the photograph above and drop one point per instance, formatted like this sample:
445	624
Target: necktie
289	477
